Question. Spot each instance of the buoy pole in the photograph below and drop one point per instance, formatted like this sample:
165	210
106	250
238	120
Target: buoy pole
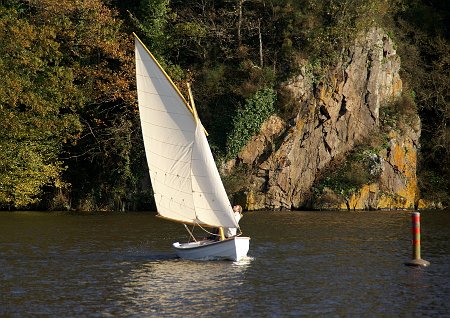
416	258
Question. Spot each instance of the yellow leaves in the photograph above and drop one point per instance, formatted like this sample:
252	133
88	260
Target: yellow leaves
55	59
191	29
24	172
21	35
99	122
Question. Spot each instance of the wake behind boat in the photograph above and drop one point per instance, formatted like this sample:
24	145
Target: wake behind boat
186	184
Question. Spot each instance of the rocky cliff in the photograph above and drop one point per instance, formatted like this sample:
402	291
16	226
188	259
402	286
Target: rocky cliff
290	163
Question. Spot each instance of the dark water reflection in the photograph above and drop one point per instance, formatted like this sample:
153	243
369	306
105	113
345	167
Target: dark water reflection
325	264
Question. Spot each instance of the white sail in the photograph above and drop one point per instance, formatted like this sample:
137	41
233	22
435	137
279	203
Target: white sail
186	184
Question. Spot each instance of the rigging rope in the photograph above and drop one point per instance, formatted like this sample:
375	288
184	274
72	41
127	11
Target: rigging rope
210	233
193	237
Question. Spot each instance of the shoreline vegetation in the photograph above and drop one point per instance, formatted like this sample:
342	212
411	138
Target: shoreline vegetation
115	212
69	125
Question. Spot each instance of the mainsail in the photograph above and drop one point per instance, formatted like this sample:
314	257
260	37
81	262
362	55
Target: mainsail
186	184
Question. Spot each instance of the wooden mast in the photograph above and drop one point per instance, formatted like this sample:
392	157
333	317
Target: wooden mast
192	106
191	100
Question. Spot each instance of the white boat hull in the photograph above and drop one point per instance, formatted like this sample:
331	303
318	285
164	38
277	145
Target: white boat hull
232	249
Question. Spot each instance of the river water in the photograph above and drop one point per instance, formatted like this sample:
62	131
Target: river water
311	264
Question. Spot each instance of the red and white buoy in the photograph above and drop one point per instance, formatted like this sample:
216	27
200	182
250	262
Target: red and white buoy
416	260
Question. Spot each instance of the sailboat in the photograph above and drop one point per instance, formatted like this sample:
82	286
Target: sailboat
186	184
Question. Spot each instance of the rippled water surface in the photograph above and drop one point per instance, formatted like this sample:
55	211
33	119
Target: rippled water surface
325	264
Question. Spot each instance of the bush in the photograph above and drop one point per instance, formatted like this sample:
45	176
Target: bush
397	115
361	166
249	119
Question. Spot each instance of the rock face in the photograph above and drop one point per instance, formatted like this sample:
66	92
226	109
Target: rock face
333	116
397	187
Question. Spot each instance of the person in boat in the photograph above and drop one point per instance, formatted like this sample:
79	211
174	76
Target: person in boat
231	231
228	231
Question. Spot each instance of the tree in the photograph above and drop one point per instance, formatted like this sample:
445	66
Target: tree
38	101
151	18
423	37
67	96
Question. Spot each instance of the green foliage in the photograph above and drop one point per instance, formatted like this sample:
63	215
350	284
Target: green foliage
249	119
191	29
237	181
333	25
67	97
361	166
64	101
151	18
213	81
398	114
38	101
316	71
257	78
434	186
